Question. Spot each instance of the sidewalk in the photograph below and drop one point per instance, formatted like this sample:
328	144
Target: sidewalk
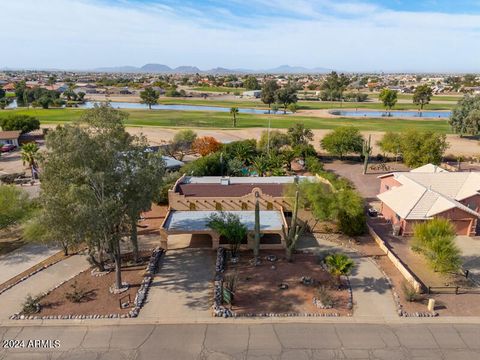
23	258
11	300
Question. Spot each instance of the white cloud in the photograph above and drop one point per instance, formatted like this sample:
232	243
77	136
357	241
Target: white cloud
85	34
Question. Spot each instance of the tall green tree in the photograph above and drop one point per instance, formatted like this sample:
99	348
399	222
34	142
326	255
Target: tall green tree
391	143
334	86
149	97
422	95
234	113
299	134
251	83
389	98
268	92
343	140
286	96
181	143
143	172
24	123
85	163
423	147
462	120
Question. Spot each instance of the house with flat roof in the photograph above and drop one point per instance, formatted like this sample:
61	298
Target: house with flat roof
10	137
429	192
192	200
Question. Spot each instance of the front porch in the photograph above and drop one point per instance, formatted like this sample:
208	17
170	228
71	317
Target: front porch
195	223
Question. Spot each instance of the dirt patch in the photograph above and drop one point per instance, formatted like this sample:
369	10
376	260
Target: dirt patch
151	220
258	286
10	240
98	299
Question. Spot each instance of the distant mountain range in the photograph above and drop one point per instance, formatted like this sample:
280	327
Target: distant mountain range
160	68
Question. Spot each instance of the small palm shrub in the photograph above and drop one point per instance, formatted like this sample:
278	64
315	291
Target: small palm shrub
338	265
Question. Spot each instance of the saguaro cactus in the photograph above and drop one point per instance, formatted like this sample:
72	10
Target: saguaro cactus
256	247
295	230
366	151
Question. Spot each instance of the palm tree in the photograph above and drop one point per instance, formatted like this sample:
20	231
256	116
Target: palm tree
29	156
234	113
338	265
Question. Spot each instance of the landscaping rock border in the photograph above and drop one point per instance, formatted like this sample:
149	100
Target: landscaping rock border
396	298
221	311
138	302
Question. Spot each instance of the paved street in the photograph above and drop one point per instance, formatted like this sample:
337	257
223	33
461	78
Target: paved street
251	341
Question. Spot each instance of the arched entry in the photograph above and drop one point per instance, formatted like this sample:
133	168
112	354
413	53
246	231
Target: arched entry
201	241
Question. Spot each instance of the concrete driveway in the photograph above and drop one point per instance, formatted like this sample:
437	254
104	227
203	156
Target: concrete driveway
369	285
183	287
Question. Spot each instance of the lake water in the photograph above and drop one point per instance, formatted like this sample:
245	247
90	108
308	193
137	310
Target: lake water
371	113
131	105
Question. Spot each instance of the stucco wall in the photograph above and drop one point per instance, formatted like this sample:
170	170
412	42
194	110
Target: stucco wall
388	183
177	201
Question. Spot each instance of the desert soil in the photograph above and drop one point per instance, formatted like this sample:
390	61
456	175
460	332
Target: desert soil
258	291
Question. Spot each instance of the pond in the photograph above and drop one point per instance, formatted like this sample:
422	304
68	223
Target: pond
132	105
397	113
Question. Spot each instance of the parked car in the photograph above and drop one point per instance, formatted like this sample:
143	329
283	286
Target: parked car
372	212
7	148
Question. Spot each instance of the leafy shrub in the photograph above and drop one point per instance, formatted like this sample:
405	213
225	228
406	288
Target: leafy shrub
313	165
435	240
409	292
31	305
77	294
325	297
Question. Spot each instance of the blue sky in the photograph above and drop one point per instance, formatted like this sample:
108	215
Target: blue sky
352	35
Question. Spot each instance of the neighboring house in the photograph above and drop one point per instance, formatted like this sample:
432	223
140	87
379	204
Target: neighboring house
192	200
252	94
172	164
429	192
9	87
9	137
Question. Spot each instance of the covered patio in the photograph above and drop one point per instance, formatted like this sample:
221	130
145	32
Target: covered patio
196	223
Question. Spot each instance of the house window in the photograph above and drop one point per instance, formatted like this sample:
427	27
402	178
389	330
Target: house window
244	206
193	206
269	206
218	206
387	187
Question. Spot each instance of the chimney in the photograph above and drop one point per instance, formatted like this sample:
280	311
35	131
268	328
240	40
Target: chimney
225	181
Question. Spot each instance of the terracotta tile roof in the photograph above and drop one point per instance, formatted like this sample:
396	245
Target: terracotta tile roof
7	135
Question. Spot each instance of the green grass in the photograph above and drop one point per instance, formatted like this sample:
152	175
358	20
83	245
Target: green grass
303	105
171	118
453	98
218	89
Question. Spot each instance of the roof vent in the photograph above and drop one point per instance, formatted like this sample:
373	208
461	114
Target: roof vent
225	181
